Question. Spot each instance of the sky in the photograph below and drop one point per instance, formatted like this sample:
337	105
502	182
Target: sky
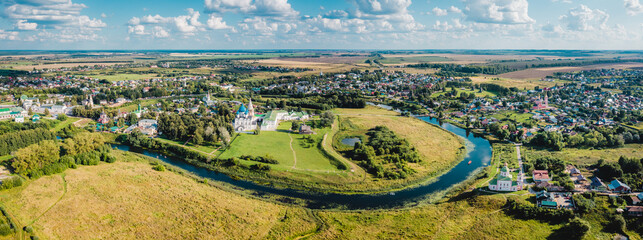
314	24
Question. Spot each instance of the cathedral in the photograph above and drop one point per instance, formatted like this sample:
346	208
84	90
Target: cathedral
245	120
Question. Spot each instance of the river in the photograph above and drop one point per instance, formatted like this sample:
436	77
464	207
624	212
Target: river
479	152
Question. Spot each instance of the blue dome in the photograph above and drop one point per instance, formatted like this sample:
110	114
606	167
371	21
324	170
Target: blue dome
242	109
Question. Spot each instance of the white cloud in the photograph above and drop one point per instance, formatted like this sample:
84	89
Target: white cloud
215	22
8	35
103	15
584	18
137	29
382	7
454	9
439	12
498	11
633	7
24	25
273	8
160	32
187	25
53	13
563	1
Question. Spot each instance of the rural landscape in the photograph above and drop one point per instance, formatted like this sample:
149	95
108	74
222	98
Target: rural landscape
357	119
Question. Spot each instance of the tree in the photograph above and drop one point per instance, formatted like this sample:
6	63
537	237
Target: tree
46	112
630	165
295	126
35	157
132	118
224	135
577	228
197	139
62	117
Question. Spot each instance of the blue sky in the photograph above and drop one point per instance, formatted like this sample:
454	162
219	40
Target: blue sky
309	24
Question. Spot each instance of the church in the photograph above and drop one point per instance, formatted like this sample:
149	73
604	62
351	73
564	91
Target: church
245	120
504	181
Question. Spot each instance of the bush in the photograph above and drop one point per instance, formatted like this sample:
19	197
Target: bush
28	229
577	228
5	229
159	168
11	182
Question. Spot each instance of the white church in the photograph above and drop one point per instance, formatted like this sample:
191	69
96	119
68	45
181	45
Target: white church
245	120
504	181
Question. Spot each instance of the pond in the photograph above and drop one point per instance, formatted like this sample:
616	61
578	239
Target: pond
351	141
478	152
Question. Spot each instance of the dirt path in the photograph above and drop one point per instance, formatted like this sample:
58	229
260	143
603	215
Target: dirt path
50	207
294	155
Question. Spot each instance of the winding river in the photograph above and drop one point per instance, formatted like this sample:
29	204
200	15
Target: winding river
478	153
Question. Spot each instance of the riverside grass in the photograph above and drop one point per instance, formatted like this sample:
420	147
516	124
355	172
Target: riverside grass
128	199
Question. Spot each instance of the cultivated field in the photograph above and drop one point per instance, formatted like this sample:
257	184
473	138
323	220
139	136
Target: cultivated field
538	73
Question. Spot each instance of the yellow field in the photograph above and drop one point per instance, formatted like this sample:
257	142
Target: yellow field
129	200
587	156
518	83
439	149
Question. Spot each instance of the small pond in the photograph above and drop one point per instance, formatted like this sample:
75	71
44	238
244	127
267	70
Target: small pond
351	141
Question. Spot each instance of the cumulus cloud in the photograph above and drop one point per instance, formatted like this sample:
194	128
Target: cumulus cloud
274	8
633	7
584	18
184	24
454	9
382	7
51	13
498	11
439	12
24	25
8	35
215	23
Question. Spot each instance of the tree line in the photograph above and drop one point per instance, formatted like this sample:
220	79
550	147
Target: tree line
15	140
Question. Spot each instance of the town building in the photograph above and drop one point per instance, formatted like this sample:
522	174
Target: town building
305	129
618	186
104	119
272	118
541	176
634	211
8	113
598	185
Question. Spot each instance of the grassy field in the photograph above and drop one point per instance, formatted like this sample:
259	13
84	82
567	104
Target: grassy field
505	116
127	200
64	124
278	145
201	148
438	148
476	218
588	156
123	76
133	106
468	91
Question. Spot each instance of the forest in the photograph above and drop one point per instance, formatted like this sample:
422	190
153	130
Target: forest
385	155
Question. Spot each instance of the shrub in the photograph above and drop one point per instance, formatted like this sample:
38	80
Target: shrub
577	228
159	168
11	182
5	229
28	229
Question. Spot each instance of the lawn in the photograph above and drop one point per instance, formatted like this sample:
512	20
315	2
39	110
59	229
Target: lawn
202	148
512	116
64	124
277	144
588	156
5	158
128	200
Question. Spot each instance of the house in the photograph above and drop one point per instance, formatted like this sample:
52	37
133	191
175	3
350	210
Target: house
103	118
597	184
19	119
504	181
305	129
8	113
618	186
636	199
544	196
541	176
634	211
573	171
548	204
35	118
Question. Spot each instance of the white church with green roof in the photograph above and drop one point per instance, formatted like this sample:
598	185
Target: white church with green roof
504	181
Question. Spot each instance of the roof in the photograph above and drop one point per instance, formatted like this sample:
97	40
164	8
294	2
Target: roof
540	174
616	184
242	109
596	182
549	203
634	208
